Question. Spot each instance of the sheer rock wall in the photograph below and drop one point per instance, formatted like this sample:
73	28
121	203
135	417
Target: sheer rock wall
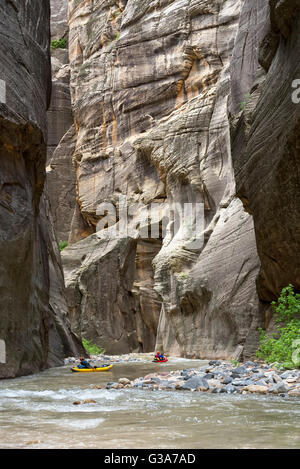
265	149
33	309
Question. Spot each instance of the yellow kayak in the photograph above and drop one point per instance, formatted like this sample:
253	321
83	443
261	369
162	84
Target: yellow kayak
91	370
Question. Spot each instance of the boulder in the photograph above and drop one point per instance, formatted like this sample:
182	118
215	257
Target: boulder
86	401
124	381
195	382
255	388
294	392
279	388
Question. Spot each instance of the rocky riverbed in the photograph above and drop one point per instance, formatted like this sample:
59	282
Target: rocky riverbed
214	377
220	377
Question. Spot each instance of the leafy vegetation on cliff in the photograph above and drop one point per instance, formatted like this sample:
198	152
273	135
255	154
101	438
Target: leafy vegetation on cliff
282	347
59	44
92	348
63	245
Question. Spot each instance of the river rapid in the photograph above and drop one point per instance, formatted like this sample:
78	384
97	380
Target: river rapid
38	412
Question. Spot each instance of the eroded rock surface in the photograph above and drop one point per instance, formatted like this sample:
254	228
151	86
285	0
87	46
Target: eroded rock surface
150	89
266	144
33	320
61	141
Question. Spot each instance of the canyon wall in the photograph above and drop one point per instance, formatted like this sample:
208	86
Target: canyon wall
61	131
33	309
150	85
177	102
266	148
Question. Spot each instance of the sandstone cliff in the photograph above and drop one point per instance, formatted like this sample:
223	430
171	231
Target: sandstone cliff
33	310
163	94
61	131
265	148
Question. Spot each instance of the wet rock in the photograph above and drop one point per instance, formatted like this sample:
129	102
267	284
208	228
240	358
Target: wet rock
112	385
239	370
276	378
293	380
230	389
294	392
148	381
269	380
178	386
218	390
261	382
124	381
235	375
214	383
279	388
250	363
241	382
195	382
259	375
227	380
209	375
214	363
203	369
287	374
202	389
254	388
33	442
171	386
86	401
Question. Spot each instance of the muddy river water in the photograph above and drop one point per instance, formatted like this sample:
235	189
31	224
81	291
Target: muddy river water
38	412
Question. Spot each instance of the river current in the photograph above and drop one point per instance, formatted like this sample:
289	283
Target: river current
38	412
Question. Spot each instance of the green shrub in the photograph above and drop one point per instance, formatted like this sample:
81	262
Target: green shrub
235	362
244	103
59	44
92	348
63	245
280	348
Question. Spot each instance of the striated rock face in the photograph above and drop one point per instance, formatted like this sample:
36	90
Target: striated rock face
110	296
151	82
266	144
61	178
59	115
58	20
33	309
